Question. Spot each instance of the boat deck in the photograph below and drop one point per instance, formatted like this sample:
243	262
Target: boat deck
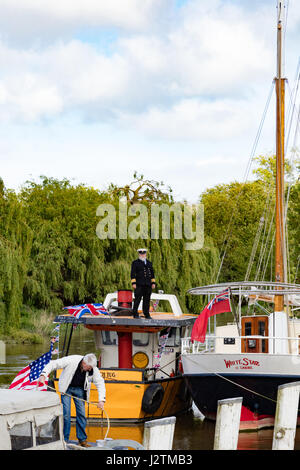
158	320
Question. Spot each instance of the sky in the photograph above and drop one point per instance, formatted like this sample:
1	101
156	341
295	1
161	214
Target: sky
94	90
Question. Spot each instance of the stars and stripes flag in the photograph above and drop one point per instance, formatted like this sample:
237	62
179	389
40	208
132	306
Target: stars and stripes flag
219	304
78	310
27	378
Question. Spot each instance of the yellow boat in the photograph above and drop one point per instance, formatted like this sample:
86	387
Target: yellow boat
139	360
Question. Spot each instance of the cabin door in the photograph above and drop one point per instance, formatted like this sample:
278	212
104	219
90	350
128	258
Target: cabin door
257	325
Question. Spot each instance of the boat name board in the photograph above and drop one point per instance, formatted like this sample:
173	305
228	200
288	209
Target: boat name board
122	375
243	363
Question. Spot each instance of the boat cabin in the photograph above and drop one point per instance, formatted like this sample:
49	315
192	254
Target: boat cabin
31	420
125	342
137	343
139	358
255	333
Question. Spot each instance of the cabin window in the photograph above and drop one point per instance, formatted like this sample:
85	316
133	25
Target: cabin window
261	332
261	328
248	329
21	436
173	338
140	339
48	432
109	338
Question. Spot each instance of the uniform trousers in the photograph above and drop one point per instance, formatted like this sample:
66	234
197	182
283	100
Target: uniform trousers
142	292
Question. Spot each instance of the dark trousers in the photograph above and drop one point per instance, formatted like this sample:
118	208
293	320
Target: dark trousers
142	292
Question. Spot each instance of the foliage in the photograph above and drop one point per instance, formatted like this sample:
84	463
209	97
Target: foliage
232	216
294	232
266	169
142	190
237	215
51	256
15	245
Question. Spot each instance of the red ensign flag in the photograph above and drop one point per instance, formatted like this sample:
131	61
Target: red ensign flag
219	304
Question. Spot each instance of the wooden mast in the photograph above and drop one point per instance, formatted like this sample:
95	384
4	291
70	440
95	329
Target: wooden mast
280	222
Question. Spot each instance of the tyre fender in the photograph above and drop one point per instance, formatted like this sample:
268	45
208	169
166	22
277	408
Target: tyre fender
152	398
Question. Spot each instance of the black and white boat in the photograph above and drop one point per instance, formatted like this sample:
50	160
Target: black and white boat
249	357
254	354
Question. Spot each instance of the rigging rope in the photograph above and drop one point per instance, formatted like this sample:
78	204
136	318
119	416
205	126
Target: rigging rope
228	233
260	266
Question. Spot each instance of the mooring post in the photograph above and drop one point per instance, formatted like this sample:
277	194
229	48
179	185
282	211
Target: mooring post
159	434
228	424
286	416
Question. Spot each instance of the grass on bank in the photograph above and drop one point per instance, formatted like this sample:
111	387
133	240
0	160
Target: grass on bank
35	327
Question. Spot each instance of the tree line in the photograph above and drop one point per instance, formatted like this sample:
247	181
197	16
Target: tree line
51	256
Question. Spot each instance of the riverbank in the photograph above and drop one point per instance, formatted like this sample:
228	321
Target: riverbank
35	327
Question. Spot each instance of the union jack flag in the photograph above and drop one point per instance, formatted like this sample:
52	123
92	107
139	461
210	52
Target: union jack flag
78	310
27	378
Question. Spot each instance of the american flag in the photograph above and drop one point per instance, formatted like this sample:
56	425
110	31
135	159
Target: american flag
78	310
27	378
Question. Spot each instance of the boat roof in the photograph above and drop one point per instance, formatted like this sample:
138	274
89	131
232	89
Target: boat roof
17	401
248	288
159	320
113	320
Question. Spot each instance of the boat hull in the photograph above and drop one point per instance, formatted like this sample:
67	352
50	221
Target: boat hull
125	391
254	378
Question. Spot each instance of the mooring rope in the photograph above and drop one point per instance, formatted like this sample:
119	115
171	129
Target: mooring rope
239	385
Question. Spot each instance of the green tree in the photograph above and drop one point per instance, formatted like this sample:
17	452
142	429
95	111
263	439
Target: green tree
232	218
293	216
15	245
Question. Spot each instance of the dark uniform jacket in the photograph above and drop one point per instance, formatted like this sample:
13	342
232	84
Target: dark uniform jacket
142	274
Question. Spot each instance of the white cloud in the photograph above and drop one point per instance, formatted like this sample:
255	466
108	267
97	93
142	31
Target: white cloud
32	19
166	82
188	84
193	119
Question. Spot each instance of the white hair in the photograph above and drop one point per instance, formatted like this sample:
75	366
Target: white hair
90	359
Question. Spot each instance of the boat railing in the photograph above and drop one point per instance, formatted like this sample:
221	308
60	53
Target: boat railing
209	345
195	347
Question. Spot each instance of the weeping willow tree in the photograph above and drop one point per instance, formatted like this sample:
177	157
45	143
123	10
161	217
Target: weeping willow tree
15	245
51	256
65	262
69	264
177	269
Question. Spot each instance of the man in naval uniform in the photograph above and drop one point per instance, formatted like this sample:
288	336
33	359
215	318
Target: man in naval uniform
143	281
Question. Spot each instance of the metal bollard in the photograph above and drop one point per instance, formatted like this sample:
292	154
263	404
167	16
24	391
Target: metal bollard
286	416
228	424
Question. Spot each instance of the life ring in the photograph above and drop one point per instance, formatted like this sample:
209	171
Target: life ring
152	398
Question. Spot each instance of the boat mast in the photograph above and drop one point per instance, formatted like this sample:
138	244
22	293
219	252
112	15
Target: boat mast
280	271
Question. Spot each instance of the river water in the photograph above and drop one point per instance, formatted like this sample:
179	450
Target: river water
191	433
